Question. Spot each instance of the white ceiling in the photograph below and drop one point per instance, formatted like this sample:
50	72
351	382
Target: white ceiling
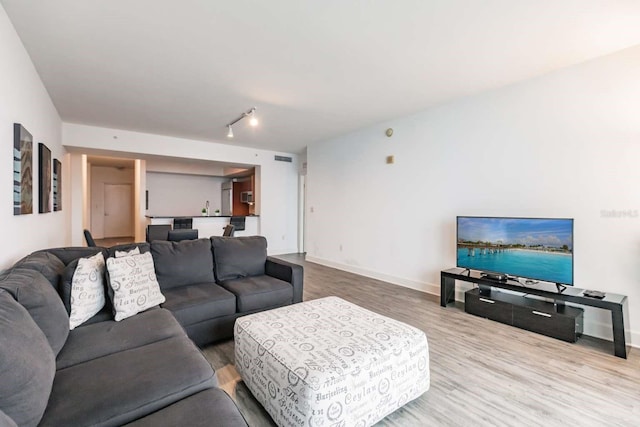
313	69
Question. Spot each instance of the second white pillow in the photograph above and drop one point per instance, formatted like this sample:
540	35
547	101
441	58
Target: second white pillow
134	284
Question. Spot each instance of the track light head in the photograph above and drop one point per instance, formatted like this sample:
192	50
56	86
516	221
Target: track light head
253	121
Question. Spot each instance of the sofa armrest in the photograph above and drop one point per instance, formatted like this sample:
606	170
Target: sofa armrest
287	271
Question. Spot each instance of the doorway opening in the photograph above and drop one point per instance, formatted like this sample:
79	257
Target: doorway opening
111	200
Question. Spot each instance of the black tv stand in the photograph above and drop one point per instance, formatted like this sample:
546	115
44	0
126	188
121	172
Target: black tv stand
615	303
560	287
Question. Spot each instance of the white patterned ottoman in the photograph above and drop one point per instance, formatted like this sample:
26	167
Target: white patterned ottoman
328	362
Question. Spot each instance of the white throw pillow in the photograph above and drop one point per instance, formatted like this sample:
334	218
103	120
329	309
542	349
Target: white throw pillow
134	284
87	290
134	251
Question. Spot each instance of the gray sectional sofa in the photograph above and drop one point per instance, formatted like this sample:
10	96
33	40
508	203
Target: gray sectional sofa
145	370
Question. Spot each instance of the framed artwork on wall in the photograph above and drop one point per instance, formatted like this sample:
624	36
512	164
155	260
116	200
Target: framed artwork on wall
22	170
57	185
44	178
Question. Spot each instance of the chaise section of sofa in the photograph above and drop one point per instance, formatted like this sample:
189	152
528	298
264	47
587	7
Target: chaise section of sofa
128	384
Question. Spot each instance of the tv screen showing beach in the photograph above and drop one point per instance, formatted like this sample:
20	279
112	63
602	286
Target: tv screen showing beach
539	249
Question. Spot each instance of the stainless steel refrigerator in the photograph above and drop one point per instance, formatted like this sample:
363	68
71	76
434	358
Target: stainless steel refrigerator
227	199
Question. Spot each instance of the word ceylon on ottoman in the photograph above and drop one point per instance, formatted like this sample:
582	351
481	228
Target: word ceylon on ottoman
328	362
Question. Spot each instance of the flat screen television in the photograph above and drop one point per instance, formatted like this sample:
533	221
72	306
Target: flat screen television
531	248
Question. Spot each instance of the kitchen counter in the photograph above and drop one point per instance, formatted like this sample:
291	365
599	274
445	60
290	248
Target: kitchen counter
198	216
211	225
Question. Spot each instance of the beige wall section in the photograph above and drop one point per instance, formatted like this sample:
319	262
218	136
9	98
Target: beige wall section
101	176
139	207
77	194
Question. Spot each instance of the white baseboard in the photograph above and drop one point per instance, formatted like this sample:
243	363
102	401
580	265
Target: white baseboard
594	329
281	251
426	287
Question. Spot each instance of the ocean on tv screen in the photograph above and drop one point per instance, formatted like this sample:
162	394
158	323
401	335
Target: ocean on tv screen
556	267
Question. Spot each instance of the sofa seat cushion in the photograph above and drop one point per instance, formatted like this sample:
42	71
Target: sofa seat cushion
239	256
103	315
102	339
124	386
195	303
34	292
182	263
259	292
27	364
212	407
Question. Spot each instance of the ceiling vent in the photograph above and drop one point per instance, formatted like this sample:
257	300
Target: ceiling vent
283	159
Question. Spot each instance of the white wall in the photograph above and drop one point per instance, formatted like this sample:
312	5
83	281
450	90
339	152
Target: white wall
563	145
173	194
99	177
278	180
23	99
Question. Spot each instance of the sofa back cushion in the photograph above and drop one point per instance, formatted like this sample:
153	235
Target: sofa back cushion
34	292
27	364
182	263
143	247
237	257
44	262
68	254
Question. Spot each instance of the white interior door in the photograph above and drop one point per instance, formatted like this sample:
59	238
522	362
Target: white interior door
118	210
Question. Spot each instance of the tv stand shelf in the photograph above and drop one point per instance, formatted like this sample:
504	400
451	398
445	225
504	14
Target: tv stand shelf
615	303
554	320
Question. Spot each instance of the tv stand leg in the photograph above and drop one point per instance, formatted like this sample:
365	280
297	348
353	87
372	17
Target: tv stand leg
447	290
618	317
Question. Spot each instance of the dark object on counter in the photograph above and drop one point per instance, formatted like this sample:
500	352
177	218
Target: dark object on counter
182	223
594	294
178	235
228	231
237	222
158	232
89	238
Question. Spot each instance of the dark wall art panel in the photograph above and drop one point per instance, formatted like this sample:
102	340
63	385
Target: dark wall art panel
57	185
44	166
22	170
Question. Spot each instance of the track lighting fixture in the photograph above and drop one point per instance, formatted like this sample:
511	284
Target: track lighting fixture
253	120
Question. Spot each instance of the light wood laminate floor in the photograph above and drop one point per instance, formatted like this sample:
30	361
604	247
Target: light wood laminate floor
483	373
